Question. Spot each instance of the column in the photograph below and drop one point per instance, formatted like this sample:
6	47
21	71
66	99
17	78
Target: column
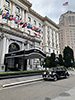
7	45
13	13
3	50
22	46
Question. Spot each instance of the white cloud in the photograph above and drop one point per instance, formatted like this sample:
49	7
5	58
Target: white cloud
52	8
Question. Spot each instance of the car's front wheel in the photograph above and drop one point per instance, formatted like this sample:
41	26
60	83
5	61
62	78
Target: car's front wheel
55	78
67	75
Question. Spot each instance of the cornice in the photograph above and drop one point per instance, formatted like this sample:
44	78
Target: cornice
51	22
22	4
4	28
26	2
23	1
36	14
43	18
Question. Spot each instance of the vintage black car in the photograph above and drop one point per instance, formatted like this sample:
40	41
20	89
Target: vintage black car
55	73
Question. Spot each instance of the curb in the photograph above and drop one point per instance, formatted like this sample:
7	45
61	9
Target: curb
16	76
21	82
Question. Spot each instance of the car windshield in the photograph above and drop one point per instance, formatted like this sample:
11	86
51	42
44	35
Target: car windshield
52	69
57	68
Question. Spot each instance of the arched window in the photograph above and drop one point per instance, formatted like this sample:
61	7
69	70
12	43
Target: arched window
13	47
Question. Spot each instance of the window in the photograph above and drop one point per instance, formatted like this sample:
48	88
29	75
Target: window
72	19
29	19
16	22
69	19
34	22
13	47
53	51
49	50
7	3
39	25
17	9
25	14
31	45
57	52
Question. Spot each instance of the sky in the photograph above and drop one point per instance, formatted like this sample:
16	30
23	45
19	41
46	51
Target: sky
52	8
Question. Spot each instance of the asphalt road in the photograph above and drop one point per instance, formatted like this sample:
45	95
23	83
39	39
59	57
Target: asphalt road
42	90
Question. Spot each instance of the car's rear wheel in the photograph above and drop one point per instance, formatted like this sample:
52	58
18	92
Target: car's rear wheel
55	78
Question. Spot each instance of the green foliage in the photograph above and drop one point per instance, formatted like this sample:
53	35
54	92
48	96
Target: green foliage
46	62
52	60
60	60
19	73
68	57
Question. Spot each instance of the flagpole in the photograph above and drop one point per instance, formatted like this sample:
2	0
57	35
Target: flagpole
66	5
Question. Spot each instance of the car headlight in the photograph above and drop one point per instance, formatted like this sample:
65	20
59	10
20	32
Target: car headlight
54	73
47	68
44	73
49	72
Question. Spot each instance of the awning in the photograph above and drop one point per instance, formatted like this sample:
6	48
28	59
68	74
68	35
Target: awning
32	53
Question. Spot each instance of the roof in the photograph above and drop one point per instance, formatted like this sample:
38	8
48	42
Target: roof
68	12
43	18
50	21
36	14
27	2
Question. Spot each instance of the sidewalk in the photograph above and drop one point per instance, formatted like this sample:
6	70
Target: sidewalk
19	80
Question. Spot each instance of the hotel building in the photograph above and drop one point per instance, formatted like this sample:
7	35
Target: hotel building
25	36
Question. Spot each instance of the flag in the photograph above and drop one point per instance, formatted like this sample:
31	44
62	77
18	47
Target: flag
65	4
29	26
21	23
34	28
24	25
5	15
10	17
17	21
14	18
38	30
35	34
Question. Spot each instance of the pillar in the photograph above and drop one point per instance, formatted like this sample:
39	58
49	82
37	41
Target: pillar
3	50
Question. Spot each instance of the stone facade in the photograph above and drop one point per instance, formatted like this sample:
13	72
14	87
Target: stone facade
23	28
67	30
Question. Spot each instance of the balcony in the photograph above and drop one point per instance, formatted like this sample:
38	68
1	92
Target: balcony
17	32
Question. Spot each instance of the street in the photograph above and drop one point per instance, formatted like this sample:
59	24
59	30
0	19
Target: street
41	90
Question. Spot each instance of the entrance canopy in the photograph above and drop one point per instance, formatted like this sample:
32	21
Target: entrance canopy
32	53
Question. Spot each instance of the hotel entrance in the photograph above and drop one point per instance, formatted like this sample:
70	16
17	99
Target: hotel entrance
17	60
15	64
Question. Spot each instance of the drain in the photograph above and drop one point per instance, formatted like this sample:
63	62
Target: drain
64	94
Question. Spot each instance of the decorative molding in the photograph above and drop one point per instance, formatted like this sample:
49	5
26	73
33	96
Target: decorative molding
13	31
17	2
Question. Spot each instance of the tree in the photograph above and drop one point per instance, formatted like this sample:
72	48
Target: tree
60	60
52	60
68	57
46	63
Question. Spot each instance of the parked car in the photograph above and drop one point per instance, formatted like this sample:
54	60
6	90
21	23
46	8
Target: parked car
55	73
